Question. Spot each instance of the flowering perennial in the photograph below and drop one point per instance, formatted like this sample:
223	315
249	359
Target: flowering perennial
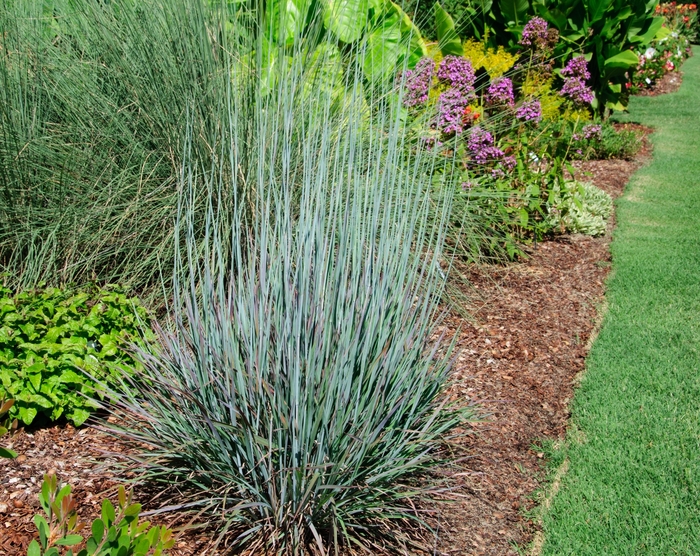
535	33
458	73
418	81
481	148
500	93
452	105
529	111
575	75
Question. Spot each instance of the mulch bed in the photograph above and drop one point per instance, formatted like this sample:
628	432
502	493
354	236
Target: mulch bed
519	357
669	83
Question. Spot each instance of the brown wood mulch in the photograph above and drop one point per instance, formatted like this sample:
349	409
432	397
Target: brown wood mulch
669	83
519	357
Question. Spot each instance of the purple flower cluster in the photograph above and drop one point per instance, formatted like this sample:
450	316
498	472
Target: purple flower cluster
509	163
500	93
577	91
432	143
575	75
418	81
458	73
535	33
481	148
451	106
588	132
529	111
592	131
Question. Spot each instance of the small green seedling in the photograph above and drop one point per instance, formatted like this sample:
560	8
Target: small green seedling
116	533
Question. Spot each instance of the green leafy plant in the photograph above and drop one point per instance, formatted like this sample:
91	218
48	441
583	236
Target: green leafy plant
117	532
592	140
607	32
49	337
6	424
665	54
585	209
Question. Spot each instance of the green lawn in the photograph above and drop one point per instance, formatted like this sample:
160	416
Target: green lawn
633	485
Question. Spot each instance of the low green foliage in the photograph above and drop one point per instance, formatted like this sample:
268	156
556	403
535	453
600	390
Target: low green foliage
576	140
585	209
48	337
6	423
116	533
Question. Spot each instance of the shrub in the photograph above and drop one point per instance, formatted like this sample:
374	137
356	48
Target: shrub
48	337
117	532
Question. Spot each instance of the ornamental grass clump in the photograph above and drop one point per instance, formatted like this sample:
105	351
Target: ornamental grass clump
296	397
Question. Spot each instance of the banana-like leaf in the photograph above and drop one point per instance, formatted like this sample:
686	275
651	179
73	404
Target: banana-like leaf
391	38
448	40
384	47
596	9
416	43
637	35
346	19
514	11
621	62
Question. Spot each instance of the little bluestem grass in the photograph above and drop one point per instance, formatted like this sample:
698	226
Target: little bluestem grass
297	395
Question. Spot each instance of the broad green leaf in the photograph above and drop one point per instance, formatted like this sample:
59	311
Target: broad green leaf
78	416
34	549
7	453
108	515
619	106
416	44
662	33
35	368
448	41
27	415
69	376
646	36
69	540
98	530
133	510
514	11
35	381
596	9
346	19
383	49
621	62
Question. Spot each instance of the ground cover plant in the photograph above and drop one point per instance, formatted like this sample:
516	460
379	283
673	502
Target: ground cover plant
53	340
633	478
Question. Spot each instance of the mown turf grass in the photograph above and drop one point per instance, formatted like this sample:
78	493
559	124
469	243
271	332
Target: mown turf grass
633	485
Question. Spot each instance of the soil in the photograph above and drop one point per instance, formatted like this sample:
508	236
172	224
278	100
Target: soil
520	353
